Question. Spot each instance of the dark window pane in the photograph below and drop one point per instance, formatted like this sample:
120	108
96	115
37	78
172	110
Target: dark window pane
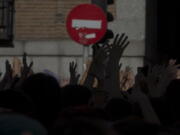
6	22
1	3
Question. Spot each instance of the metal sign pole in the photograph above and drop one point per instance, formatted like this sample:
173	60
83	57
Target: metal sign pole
85	56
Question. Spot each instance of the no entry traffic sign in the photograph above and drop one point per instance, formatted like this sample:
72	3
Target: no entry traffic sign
86	24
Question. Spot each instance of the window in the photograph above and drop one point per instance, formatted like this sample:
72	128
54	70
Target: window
6	22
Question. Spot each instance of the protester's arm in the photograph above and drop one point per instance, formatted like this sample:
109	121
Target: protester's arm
7	79
112	82
97	67
25	71
74	77
148	111
138	96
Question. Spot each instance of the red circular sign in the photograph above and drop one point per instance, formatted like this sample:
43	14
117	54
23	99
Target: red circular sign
86	24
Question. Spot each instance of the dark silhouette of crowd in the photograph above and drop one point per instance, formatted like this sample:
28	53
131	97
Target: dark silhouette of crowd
36	104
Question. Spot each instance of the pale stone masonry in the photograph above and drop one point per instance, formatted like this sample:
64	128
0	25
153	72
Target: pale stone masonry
35	19
43	19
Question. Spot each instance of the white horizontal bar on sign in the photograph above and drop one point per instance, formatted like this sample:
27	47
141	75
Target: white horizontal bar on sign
90	36
91	24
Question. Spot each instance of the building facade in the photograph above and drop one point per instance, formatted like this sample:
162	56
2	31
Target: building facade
39	31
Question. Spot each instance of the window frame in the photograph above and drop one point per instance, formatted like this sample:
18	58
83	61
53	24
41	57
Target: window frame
7	11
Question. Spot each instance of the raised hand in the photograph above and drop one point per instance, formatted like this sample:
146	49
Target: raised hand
25	70
16	67
159	77
7	79
99	62
9	71
119	45
171	70
96	69
74	77
168	73
117	49
126	79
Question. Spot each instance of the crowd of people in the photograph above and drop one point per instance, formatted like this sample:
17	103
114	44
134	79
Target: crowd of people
105	101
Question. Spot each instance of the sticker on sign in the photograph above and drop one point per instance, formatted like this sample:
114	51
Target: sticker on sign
91	24
89	36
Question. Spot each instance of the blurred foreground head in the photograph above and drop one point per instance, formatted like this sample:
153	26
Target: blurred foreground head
118	109
13	124
82	126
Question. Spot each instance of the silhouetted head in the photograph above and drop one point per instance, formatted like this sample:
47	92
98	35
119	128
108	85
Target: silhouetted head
13	101
173	99
160	107
75	95
44	91
136	127
173	92
118	108
88	112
